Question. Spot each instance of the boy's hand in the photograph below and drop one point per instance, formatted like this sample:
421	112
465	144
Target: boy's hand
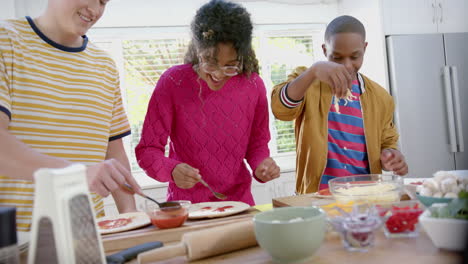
335	75
185	176
393	160
108	176
267	170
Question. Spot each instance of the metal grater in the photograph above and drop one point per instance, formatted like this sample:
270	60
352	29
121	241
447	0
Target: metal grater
64	229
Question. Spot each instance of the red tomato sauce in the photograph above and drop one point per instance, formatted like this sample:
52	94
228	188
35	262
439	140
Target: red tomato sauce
169	220
222	209
109	224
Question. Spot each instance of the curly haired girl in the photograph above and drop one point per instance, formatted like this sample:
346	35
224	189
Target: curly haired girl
214	110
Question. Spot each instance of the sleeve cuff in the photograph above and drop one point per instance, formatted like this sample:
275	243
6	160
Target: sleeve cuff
120	135
6	111
257	179
286	100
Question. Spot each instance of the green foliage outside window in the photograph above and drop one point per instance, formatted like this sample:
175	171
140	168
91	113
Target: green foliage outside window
146	60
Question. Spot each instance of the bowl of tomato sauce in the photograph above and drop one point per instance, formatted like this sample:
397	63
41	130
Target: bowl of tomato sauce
167	217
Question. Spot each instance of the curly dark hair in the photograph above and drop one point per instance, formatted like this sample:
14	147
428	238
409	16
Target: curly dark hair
220	21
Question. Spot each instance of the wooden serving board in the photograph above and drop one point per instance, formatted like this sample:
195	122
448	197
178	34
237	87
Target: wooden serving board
309	199
298	200
120	241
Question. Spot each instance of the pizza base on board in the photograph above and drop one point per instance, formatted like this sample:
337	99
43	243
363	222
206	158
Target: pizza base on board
216	209
122	222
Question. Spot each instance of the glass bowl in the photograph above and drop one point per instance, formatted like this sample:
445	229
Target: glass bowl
356	226
368	188
401	218
169	217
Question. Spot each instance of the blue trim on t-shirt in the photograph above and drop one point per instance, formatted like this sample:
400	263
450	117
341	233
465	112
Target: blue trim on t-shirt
120	136
6	111
55	44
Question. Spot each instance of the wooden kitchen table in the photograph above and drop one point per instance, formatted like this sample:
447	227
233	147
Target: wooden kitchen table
119	241
393	251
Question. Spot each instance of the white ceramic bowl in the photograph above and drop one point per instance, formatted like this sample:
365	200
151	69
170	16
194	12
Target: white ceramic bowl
445	233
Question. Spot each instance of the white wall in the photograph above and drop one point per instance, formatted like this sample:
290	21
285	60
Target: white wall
7	9
28	7
369	13
134	13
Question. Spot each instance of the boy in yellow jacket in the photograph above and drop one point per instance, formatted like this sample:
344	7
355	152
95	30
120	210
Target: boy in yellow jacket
343	120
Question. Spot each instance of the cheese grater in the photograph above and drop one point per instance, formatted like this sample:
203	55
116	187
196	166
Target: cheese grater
64	229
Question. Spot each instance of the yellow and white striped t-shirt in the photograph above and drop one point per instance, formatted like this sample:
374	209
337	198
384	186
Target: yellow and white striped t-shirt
64	102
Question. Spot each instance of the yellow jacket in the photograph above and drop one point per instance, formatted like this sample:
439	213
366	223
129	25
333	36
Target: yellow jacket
311	127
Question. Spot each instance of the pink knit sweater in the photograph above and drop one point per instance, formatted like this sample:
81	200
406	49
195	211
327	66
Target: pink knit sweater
213	131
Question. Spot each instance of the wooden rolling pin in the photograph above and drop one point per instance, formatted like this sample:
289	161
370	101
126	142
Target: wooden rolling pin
205	243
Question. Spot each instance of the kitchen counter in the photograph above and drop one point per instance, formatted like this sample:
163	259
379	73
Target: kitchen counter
392	251
395	250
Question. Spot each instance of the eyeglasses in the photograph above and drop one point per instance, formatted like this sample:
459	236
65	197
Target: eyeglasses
210	68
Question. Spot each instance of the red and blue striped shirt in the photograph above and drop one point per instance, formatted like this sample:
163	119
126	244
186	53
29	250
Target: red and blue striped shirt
347	152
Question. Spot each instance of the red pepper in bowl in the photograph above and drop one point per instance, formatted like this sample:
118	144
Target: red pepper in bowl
401	219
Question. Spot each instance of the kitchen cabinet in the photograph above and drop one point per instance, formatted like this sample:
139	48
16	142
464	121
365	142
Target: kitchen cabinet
424	16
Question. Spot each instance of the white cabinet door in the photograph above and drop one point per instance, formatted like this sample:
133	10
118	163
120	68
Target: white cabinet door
409	16
452	16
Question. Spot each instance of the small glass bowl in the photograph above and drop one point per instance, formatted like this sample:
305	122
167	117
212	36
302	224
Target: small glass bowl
169	217
401	218
367	188
356	227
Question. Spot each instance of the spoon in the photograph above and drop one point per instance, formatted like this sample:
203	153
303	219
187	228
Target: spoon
165	206
216	194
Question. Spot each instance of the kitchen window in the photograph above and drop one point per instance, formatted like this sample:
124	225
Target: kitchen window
143	54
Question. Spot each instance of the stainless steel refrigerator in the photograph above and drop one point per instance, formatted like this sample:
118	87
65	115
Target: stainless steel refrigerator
429	82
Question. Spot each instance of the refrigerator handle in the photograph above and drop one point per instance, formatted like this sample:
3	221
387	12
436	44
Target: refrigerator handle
441	13
456	99
449	106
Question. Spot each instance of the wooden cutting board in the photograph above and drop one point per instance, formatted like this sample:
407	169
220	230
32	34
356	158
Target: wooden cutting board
119	241
298	200
309	199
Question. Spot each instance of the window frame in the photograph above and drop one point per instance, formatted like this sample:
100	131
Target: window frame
115	36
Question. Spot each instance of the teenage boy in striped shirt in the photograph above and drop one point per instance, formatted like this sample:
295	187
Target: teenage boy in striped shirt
343	120
60	103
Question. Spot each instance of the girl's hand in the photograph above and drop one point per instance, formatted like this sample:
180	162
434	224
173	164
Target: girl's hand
185	176
267	170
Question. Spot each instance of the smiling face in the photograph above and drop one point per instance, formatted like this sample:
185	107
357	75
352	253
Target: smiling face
225	56
347	49
75	17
